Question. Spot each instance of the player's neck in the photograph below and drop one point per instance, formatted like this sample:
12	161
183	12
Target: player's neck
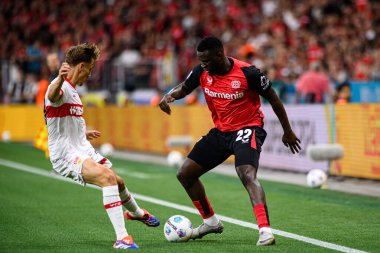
227	66
70	82
72	78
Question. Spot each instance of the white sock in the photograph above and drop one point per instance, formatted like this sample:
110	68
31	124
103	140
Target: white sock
112	203
130	204
211	221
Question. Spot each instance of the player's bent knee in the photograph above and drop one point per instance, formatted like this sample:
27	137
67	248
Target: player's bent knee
182	176
251	178
97	174
108	178
251	181
247	174
186	179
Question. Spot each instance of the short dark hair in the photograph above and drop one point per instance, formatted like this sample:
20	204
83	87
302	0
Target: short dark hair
340	87
82	53
210	43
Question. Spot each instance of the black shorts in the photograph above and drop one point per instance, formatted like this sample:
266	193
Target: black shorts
214	148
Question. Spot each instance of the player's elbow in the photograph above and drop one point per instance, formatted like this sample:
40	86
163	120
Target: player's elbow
53	97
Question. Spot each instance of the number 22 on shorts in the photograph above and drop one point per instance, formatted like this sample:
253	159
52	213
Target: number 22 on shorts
244	135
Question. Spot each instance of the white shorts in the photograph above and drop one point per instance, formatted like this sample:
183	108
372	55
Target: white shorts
71	166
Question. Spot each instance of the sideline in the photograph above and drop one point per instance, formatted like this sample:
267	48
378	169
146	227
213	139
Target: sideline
366	187
34	170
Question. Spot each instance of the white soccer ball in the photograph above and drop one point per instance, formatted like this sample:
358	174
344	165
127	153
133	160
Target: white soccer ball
178	228
106	149
316	178
6	136
175	158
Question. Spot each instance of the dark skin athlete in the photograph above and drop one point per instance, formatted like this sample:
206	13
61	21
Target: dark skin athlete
216	63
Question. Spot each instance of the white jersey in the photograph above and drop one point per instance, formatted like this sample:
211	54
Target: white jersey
67	142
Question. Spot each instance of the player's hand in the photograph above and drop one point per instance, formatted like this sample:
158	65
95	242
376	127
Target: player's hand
92	134
164	103
290	140
64	70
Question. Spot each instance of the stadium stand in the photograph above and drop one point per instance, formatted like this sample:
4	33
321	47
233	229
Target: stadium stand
150	44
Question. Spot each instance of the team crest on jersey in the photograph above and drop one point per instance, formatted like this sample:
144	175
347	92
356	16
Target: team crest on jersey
235	84
209	80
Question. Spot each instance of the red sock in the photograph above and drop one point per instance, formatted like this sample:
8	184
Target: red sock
262	217
204	208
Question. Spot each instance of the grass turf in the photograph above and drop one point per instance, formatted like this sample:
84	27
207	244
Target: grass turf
40	214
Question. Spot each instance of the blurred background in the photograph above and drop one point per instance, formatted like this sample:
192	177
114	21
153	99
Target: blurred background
148	46
323	57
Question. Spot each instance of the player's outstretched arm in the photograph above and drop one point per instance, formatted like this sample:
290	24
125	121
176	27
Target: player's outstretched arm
55	93
178	92
289	138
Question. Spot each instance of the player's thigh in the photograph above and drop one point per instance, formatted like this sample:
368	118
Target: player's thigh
210	151
190	170
247	144
97	157
71	166
98	174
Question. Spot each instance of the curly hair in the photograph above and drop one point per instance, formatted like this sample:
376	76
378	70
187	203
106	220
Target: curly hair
82	53
210	43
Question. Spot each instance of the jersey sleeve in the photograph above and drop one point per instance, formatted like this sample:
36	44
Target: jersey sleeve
193	79
63	88
256	80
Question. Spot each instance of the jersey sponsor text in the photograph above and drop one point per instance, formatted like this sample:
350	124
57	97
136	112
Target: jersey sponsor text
232	96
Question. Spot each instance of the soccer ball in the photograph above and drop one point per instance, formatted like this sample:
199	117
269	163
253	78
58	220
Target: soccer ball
175	158
316	178
178	228
6	136
106	149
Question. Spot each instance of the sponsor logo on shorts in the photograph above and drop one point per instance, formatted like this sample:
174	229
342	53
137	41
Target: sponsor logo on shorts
77	161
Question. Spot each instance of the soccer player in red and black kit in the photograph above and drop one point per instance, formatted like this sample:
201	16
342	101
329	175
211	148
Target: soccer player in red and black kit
231	88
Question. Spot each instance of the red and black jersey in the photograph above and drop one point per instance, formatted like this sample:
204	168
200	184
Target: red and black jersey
232	98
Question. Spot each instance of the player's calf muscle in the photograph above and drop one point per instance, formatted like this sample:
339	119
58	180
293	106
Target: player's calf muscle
120	183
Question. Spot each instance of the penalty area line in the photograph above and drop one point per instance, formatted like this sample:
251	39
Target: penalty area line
323	244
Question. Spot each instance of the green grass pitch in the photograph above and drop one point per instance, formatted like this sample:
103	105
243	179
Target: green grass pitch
42	214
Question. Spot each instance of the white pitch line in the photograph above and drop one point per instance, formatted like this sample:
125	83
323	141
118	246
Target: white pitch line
34	170
124	171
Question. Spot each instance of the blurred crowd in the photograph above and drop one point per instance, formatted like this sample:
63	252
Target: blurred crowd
296	43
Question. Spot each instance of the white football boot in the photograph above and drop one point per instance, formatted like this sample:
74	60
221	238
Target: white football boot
205	229
266	237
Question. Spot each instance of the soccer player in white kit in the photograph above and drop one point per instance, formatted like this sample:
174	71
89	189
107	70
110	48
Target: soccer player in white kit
73	156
